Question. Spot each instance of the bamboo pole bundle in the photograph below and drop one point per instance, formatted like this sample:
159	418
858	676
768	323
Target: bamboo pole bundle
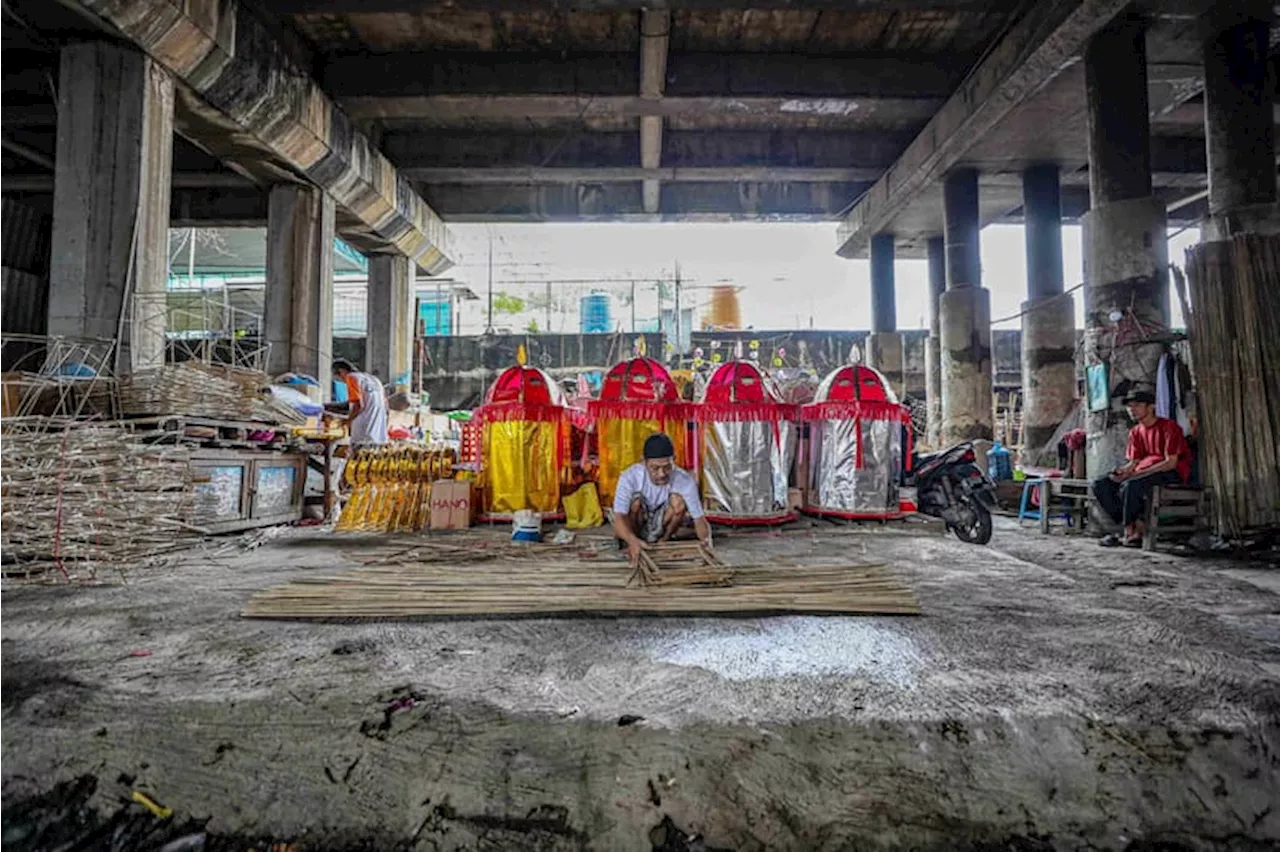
514	589
1235	290
83	497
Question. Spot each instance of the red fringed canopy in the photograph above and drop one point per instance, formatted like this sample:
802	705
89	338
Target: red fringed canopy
639	389
740	391
522	393
858	392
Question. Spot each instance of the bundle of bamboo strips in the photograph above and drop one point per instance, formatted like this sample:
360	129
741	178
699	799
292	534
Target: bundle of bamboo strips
194	389
1235	293
82	497
400	591
680	564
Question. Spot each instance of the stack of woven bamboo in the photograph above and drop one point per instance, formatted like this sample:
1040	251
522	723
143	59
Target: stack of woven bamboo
217	392
81	498
569	588
1235	344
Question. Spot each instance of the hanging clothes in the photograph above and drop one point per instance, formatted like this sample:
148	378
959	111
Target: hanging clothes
1165	399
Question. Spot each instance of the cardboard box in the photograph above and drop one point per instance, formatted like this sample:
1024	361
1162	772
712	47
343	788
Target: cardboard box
451	505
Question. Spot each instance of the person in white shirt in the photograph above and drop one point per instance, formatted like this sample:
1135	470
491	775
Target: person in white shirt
368	403
655	498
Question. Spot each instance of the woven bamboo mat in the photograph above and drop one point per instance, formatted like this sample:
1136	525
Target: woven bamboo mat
400	590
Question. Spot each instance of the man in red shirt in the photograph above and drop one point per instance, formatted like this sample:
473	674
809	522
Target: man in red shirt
1158	454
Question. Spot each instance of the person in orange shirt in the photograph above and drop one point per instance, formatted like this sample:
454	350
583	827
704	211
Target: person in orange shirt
1158	454
368	413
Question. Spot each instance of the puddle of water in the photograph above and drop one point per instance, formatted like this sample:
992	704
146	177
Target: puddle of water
787	647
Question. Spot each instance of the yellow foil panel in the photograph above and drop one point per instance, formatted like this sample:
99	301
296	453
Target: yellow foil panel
621	444
520	470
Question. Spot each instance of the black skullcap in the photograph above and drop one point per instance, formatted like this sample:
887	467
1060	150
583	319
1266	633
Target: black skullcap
658	446
1141	396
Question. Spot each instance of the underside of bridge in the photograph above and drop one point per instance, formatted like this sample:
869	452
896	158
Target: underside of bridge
501	110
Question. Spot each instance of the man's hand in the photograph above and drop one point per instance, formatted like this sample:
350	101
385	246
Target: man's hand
1120	474
634	547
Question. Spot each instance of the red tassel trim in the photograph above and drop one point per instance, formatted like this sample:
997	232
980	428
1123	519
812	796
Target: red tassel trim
507	412
662	411
751	412
853	410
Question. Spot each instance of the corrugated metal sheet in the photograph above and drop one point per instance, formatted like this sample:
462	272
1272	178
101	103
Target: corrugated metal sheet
25	235
26	302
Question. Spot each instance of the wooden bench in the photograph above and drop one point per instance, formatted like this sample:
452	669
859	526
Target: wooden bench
1176	510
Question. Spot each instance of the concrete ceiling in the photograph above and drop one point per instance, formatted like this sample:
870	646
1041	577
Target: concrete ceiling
518	110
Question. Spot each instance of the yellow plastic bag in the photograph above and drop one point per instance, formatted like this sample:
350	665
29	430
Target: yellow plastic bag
582	508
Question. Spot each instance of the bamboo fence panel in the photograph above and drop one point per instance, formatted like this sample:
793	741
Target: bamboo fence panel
84	497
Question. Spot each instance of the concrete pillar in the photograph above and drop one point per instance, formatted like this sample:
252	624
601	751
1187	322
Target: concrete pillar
1239	126
1126	251
298	313
389	335
965	318
937	247
109	268
1048	317
884	345
884	310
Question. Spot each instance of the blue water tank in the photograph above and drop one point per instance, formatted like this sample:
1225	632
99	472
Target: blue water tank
596	314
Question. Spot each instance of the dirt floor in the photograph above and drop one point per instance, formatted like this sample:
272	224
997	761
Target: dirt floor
1054	695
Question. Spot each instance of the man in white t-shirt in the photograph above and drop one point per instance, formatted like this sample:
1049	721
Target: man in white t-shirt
654	498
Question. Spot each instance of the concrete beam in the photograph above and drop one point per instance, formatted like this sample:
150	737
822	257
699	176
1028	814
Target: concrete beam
754	174
434	148
696	75
240	79
655	36
1036	49
852	112
801	202
340	7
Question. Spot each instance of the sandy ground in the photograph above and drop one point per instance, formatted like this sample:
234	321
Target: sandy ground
1055	695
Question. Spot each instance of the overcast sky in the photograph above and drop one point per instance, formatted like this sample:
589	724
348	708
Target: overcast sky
789	272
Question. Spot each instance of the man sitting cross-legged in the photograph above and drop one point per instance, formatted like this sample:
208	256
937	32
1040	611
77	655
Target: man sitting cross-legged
655	498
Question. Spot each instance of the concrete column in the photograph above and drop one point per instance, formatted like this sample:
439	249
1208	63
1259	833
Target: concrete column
1126	251
1048	317
389	336
109	268
1239	126
937	247
884	310
884	345
964	309
298	315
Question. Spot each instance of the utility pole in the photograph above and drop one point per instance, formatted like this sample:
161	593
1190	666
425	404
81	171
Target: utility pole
490	328
633	306
547	330
677	322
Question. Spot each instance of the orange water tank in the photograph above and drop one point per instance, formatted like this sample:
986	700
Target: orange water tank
724	312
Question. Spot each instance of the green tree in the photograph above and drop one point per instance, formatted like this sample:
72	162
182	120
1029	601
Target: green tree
505	303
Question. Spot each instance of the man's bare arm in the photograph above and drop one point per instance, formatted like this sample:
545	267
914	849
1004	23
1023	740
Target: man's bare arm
703	529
